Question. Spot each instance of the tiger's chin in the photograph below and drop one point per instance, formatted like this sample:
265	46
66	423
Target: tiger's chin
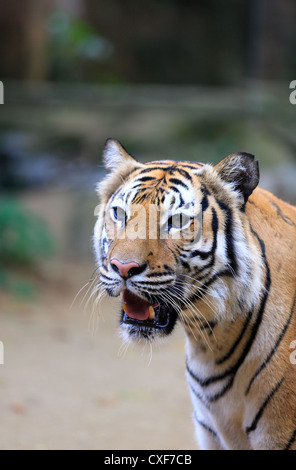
158	322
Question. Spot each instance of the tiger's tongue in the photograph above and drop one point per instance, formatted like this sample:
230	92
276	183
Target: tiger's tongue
135	307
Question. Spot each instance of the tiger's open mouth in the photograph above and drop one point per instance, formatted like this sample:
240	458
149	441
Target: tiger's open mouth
144	316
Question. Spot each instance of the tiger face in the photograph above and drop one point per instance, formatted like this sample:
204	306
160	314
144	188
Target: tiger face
164	240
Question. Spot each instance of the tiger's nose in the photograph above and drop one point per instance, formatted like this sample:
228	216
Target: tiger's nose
126	269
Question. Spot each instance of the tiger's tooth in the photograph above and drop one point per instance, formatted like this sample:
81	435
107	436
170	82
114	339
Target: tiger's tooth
151	313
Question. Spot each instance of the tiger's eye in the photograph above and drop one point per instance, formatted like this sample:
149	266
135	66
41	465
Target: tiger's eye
178	221
119	214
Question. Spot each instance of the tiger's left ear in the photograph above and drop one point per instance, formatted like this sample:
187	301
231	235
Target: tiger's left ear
115	156
119	165
242	171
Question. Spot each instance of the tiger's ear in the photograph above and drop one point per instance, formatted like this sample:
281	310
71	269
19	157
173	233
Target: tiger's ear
119	165
242	171
115	156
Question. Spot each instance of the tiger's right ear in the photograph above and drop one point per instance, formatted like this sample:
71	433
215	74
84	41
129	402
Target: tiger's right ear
242	171
115	156
119	164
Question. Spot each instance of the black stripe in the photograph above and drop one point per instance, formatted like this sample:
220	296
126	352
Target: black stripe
264	364
291	441
221	393
200	398
146	178
178	182
208	326
280	214
158	274
173	201
233	267
161	190
151	294
193	166
155	283
174	254
201	291
185	265
205	202
199	273
255	327
237	342
206	427
141	198
106	277
176	190
184	173
115	194
260	412
139	185
229	236
168	268
154	168
203	255
209	380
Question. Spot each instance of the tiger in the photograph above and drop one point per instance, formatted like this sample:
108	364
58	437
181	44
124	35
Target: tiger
231	283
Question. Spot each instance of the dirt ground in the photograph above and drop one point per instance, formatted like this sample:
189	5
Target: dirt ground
67	383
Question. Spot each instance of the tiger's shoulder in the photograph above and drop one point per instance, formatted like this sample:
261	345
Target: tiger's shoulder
275	222
270	214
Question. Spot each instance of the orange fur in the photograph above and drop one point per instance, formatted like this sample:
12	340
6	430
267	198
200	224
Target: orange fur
240	319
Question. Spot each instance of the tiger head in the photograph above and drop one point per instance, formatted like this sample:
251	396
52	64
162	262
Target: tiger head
171	240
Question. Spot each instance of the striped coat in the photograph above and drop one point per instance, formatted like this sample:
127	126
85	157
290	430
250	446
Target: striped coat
231	282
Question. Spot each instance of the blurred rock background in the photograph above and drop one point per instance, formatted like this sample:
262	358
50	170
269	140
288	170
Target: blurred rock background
190	80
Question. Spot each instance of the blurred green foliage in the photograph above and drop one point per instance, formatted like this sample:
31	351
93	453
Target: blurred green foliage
24	236
24	240
73	45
